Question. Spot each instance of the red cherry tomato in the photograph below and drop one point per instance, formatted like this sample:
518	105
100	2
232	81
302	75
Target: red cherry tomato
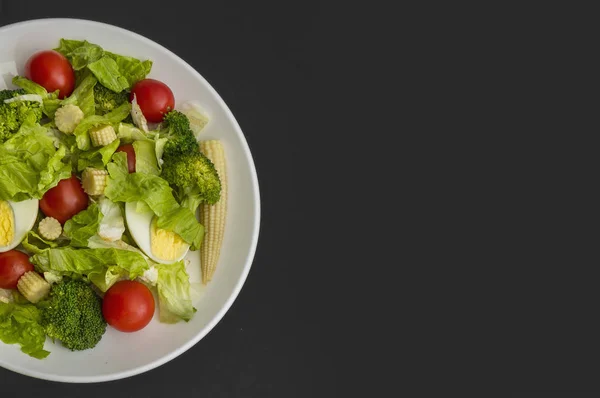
128	306
128	149
51	70
154	98
13	264
64	200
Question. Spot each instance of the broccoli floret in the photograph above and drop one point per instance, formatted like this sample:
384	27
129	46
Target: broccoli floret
8	94
184	165
107	100
193	172
180	135
73	315
13	114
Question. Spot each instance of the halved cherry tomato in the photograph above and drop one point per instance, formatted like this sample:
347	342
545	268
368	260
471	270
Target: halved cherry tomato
64	200
128	306
154	98
128	149
51	70
13	264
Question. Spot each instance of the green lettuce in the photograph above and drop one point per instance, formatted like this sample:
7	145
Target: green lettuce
114	71
174	299
111	275
107	72
30	163
80	53
35	244
157	195
83	226
130	68
20	324
97	158
29	86
145	157
92	263
129	133
111	118
83	96
112	224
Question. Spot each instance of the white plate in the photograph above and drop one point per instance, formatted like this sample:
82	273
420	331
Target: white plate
121	355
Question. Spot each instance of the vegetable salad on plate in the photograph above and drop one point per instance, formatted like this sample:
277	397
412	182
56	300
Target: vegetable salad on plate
106	186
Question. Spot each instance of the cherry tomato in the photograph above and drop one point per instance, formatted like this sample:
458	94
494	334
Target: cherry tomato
128	306
13	264
64	200
51	70
128	149
154	98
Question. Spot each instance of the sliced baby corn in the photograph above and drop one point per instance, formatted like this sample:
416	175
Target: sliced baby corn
102	136
50	228
94	181
213	216
33	286
67	118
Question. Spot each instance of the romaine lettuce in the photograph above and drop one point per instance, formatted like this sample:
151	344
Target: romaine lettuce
157	194
174	299
20	324
30	164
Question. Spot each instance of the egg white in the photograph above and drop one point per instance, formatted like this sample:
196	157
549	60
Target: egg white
139	225
25	214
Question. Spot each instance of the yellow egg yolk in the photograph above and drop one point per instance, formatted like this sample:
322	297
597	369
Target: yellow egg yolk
7	224
166	245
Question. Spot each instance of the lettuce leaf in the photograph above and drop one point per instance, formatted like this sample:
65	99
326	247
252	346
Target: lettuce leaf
157	195
112	118
54	171
35	244
29	86
30	164
83	96
112	224
80	53
129	133
83	226
20	324
104	280
174	299
130	68
145	157
107	72
93	263
114	71
97	158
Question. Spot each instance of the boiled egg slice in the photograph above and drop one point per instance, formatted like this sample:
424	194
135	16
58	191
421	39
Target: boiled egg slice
16	219
162	246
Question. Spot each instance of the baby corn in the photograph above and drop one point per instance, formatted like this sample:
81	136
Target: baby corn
213	216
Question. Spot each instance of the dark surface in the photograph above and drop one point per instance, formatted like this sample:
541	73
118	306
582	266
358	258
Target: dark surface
263	60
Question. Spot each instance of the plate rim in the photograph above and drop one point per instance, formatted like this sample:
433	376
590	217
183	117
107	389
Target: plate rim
255	233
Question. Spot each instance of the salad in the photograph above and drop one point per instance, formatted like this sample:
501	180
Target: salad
106	185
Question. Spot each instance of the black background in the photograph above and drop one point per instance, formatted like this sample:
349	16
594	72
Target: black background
264	60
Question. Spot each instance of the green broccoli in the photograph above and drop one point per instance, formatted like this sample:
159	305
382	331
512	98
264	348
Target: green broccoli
13	114
8	94
107	100
73	315
184	165
180	135
193	173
